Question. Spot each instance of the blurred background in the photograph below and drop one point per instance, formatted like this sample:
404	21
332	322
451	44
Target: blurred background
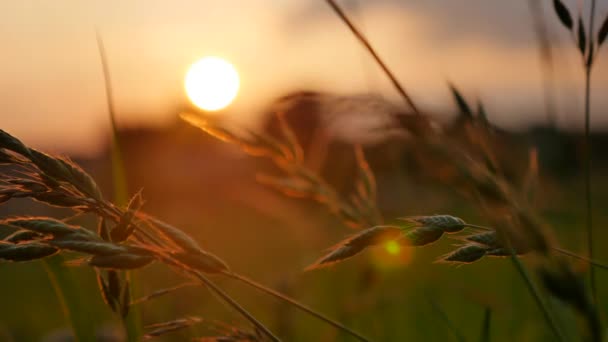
298	57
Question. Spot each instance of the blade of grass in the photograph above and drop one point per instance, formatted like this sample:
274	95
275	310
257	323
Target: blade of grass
536	295
592	262
588	203
296	304
485	326
118	168
133	320
359	35
69	297
446	319
236	306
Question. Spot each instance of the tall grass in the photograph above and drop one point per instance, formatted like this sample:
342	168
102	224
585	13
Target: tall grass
133	320
588	43
126	239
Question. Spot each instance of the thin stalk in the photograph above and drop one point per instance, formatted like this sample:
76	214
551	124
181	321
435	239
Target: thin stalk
163	292
485	327
536	295
118	168
296	304
557	249
235	305
546	59
579	257
446	319
132	322
361	37
588	204
69	297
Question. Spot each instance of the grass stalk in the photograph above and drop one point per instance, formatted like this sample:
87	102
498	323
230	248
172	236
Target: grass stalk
537	297
588	201
118	168
446	319
361	37
236	306
485	327
68	294
546	59
591	262
298	305
132	322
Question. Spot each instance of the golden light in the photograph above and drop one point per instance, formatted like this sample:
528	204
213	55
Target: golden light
212	83
392	247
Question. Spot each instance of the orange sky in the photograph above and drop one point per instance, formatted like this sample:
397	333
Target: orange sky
51	89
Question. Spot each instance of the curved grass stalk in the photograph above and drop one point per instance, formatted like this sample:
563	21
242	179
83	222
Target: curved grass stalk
296	304
236	306
132	322
446	320
359	35
557	249
536	295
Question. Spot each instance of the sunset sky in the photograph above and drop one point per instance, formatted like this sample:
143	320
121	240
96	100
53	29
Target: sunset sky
52	92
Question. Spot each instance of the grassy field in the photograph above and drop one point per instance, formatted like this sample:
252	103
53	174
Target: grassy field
215	217
385	296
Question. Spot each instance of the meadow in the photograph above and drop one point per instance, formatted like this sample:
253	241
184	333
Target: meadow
444	231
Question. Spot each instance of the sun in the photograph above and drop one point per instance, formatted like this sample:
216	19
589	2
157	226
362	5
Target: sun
212	83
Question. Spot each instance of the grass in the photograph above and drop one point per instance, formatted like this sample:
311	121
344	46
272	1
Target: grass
126	238
132	322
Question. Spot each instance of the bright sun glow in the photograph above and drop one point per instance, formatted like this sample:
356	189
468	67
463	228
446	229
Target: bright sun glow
212	83
392	247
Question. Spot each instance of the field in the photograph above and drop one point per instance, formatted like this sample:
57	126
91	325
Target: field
283	232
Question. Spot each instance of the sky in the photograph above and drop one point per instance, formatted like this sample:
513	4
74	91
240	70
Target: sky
52	91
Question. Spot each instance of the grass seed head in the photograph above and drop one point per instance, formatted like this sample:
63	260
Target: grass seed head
23	236
122	261
489	239
448	223
11	143
202	261
42	225
465	254
88	247
159	329
176	236
356	244
25	252
105	291
57	199
422	236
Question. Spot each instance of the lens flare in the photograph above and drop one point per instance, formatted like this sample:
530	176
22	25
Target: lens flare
392	247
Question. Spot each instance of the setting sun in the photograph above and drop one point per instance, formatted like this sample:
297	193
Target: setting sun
212	83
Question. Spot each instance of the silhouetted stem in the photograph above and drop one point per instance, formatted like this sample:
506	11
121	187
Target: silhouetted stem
132	322
536	295
446	319
557	249
374	54
235	305
296	304
588	203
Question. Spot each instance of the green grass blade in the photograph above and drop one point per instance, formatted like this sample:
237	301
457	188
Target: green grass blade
485	326
69	296
132	322
446	319
537	297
